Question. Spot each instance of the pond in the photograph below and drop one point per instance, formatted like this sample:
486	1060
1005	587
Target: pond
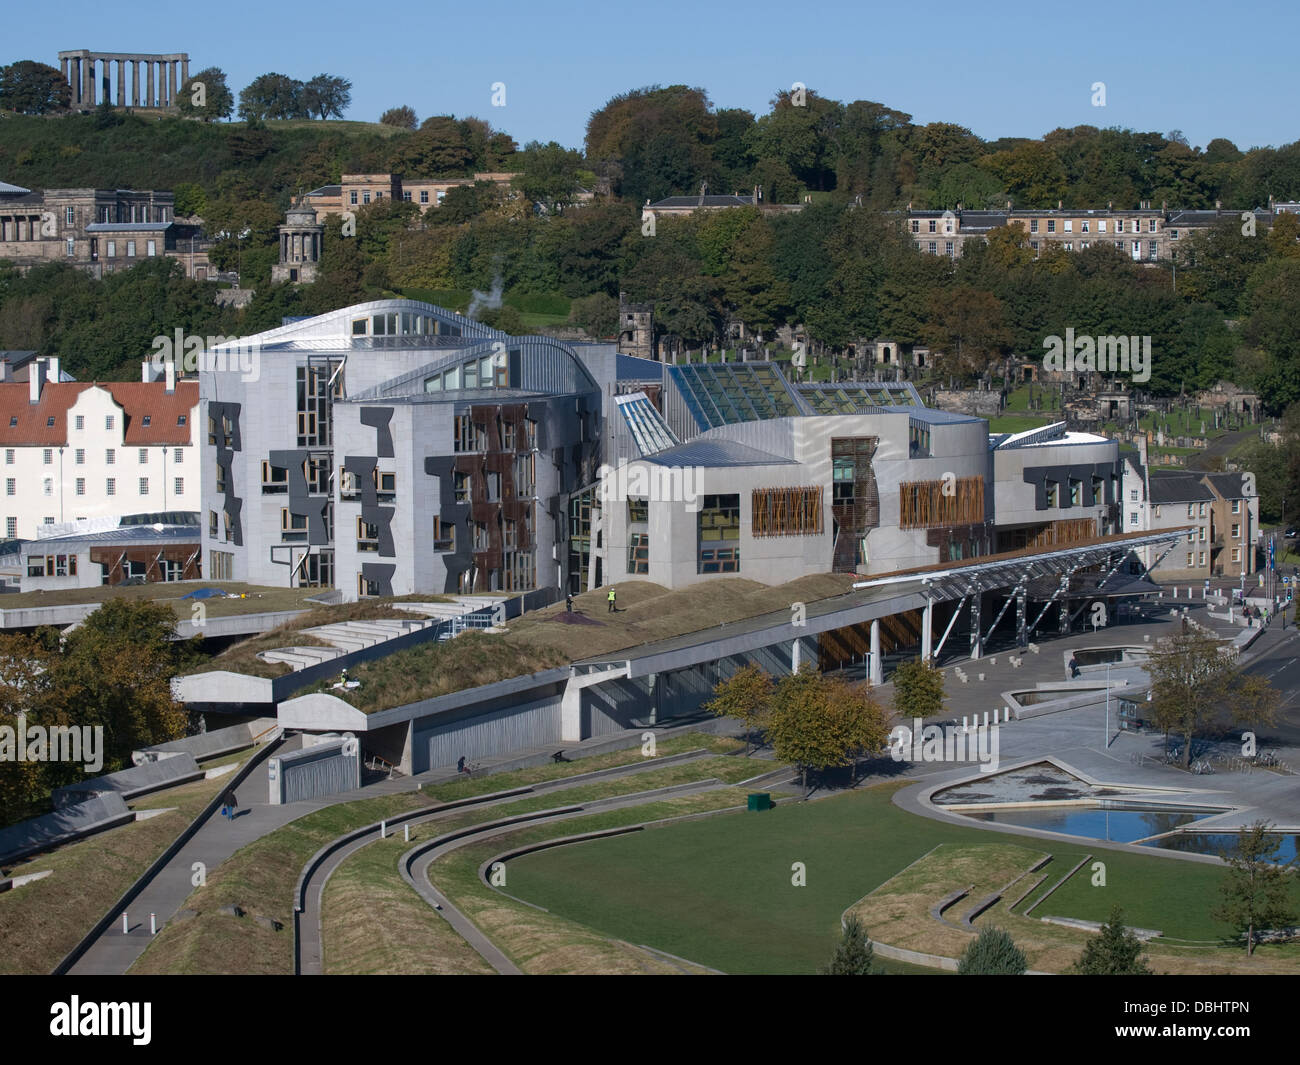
1116	822
1216	842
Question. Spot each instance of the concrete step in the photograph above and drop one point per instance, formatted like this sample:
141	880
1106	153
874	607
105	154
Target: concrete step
300	657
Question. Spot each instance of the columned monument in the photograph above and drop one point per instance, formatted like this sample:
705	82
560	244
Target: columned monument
90	74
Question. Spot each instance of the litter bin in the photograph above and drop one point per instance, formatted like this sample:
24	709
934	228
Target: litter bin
760	800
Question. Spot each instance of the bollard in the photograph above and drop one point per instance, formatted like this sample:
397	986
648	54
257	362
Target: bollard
986	719
383	829
123	924
153	924
406	833
965	725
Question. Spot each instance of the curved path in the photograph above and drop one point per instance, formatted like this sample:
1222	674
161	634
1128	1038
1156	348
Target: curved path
414	864
323	865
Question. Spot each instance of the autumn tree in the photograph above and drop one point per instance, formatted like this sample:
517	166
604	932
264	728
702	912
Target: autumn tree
1197	687
818	722
747	696
918	689
1256	894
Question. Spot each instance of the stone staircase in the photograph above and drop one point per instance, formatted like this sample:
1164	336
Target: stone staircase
347	636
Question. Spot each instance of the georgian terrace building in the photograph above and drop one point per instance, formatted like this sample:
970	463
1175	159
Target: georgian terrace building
1145	234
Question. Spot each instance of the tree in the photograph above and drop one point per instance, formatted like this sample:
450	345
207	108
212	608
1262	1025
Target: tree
992	953
1196	687
402	117
747	696
327	94
550	174
272	96
817	722
1256	894
854	956
1114	952
32	88
596	314
968	325
918	690
206	95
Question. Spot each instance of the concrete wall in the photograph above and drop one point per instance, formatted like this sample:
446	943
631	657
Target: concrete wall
328	767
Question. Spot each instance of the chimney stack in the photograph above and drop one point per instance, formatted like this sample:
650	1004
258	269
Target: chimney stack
35	378
146	374
4	370
169	372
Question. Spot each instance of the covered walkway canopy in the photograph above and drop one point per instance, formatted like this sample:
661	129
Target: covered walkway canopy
915	589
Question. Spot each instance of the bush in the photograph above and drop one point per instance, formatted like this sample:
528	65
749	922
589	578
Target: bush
855	955
993	953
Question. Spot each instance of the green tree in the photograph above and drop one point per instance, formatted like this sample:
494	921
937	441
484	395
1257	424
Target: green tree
325	95
272	96
32	88
855	955
1196	688
992	953
1114	952
747	696
1257	892
550	174
596	314
206	95
918	690
402	117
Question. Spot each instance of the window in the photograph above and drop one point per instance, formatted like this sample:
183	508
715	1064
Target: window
1173	234
144	486
72	246
179	455
223	566
1236	554
1151	226
1069	225
367	535
1051	225
11	487
144	456
9	456
1101	226
461	487
424	195
638	511
178	486
1033	225
1076	492
212	523
48	456
81	421
1152	252
638	553
916	226
110	456
1202	510
1133	517
1085	226
110	486
70	216
49	486
1133	495
11	528
49	422
1236	506
221	477
386	483
948	248
81	486
718	525
444	534
1191	510
358	327
130	249
406	195
108	422
932	226
1053	494
1190	559
112	249
352	197
1200	561
365	196
80	456
934	248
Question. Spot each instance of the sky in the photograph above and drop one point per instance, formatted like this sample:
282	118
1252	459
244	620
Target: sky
1009	69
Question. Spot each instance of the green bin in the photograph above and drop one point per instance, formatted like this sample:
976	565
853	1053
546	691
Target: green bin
760	800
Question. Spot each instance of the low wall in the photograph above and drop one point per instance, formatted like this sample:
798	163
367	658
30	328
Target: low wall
128	783
207	744
63	826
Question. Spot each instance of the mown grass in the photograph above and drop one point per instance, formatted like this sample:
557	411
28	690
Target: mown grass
719	891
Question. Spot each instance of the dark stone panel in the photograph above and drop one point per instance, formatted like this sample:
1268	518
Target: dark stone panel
381	573
378	418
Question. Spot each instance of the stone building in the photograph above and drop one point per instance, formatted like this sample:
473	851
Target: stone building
636	334
99	230
301	238
90	76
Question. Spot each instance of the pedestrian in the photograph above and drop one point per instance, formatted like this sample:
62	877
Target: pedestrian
612	607
568	603
229	804
1074	666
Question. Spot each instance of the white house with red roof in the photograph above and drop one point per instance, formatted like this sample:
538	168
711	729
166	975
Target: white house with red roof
74	450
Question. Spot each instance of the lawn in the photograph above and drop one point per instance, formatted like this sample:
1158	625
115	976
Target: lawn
719	891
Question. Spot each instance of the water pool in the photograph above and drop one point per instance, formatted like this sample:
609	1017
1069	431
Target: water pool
1115	822
1215	842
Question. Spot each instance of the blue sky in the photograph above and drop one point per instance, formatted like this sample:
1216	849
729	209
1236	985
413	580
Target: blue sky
1008	69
